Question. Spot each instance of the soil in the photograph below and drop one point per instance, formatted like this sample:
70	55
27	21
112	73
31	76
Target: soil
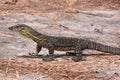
96	20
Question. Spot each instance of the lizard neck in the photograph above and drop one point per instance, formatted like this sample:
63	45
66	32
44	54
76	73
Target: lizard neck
34	35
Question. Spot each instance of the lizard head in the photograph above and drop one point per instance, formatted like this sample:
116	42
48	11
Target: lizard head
21	28
18	27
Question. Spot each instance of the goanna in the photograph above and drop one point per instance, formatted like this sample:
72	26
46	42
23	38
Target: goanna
61	43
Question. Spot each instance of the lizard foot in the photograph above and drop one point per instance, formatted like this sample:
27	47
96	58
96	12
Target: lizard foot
77	59
48	58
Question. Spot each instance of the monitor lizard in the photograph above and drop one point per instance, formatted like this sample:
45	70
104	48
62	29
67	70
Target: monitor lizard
61	43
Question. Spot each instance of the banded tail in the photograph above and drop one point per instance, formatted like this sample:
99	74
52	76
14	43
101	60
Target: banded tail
103	48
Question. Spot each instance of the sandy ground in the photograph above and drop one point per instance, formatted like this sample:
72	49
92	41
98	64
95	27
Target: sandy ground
90	19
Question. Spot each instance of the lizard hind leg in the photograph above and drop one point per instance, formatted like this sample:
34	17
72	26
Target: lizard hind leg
78	56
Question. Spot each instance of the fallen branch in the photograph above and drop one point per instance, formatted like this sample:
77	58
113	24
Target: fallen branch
5	35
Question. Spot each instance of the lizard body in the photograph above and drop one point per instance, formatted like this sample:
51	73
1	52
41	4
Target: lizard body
62	43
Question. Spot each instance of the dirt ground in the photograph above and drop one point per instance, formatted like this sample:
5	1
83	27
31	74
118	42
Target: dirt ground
37	7
35	13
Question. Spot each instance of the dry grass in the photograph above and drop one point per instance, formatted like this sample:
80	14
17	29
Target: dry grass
39	6
64	69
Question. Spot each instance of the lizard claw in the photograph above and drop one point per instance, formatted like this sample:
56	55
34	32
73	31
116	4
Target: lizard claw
77	59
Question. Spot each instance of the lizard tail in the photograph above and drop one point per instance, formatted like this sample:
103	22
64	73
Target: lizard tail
103	48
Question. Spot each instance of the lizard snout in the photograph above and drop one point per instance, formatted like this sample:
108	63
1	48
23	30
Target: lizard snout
13	28
10	28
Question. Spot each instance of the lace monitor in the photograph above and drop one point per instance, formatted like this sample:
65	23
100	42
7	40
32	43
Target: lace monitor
61	43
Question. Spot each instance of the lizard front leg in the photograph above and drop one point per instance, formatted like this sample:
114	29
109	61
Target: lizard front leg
50	57
38	49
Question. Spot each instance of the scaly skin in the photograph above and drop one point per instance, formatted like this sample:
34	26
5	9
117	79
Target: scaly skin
61	43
